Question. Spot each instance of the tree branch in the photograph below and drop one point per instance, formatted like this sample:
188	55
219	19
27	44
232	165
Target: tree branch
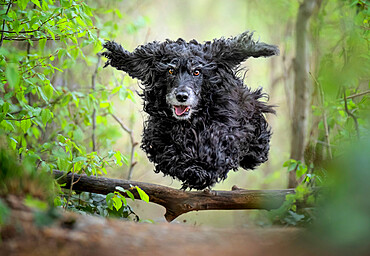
176	201
93	86
133	145
45	105
324	116
19	119
358	94
350	114
3	25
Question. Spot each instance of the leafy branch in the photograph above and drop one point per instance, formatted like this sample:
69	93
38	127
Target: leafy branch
3	25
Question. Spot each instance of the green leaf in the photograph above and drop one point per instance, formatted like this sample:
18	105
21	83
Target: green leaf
45	5
104	104
101	120
130	195
25	125
86	9
42	43
301	170
109	200
115	90
117	203
46	115
7	125
65	3
130	95
36	2
80	21
286	163
49	90
124	201
79	158
292	166
118	157
57	201
22	4
13	143
144	196
51	33
5	107
35	132
12	75
42	94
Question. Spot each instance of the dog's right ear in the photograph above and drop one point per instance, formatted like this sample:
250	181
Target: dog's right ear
233	51
137	63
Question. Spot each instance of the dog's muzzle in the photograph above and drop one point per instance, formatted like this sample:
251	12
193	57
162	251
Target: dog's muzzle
182	102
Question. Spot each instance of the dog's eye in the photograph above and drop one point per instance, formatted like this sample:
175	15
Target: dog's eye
171	71
196	72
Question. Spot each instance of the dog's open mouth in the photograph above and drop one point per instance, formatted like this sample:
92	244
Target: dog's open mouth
181	110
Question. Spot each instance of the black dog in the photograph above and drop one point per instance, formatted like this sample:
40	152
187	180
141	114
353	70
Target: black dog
203	121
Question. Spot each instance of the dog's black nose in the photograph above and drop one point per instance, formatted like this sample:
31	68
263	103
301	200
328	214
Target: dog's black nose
182	96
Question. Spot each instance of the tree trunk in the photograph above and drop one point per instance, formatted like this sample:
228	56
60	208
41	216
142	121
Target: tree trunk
302	85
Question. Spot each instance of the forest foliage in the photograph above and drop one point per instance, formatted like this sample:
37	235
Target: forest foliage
339	116
54	112
47	119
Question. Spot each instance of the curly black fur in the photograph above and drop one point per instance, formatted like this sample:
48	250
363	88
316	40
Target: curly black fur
203	121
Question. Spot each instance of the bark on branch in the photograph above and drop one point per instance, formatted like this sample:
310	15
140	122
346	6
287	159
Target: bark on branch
178	202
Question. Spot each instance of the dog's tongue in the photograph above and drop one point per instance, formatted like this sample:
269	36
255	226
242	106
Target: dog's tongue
179	110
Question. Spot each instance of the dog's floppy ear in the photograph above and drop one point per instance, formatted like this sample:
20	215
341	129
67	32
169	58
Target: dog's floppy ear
137	63
233	51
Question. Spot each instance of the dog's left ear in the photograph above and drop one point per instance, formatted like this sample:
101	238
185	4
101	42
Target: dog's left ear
233	51
138	64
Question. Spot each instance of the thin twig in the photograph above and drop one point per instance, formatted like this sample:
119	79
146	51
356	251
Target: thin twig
19	119
324	116
43	105
2	33
358	94
287	73
93	86
133	145
70	187
76	180
349	113
34	30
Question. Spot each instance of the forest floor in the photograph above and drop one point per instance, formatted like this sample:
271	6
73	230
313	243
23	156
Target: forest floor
75	234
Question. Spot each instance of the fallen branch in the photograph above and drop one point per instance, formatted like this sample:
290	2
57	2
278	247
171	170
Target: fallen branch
178	202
